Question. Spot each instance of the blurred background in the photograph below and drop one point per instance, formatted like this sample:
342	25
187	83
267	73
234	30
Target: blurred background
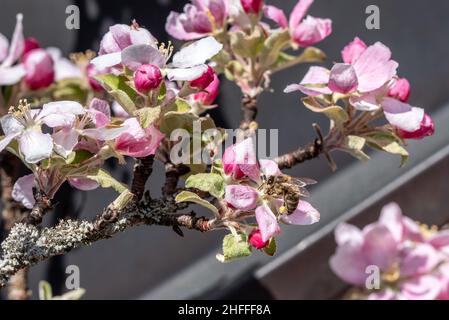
139	262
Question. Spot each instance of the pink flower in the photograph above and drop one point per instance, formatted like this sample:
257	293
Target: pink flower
252	6
199	19
400	90
138	142
30	44
426	129
353	50
305	32
210	93
147	77
205	80
240	161
120	37
39	69
241	197
255	239
394	244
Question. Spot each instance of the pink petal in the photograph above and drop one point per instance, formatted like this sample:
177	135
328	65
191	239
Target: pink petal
441	239
353	50
374	67
379	246
422	288
276	14
142	36
100	112
175	28
121	35
241	197
349	263
299	12
314	82
421	259
311	31
23	191
84	184
365	102
17	43
347	233
267	222
246	158
65	141
135	56
305	214
402	115
343	78
391	217
269	167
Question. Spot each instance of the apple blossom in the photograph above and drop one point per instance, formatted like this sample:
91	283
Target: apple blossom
406	256
147	77
240	160
205	80
252	6
304	31
353	50
210	93
199	19
426	129
400	90
39	68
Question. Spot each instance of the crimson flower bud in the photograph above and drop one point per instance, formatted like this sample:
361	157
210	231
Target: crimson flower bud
205	80
252	6
255	239
30	44
427	129
147	77
400	90
39	69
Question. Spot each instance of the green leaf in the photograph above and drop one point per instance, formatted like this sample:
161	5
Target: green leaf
217	168
45	291
107	181
208	182
271	248
182	105
118	87
335	113
179	120
235	247
388	142
246	45
309	55
187	196
354	145
148	115
273	46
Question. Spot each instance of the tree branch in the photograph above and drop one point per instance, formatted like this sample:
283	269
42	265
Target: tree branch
249	112
172	174
142	171
26	245
300	155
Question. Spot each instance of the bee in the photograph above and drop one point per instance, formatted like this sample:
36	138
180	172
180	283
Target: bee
288	188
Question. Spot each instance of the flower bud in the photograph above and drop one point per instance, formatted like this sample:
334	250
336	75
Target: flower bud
39	69
205	80
30	44
147	77
400	90
252	6
255	239
240	161
427	129
208	96
91	72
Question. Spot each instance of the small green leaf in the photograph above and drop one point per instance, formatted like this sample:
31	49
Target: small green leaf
118	87
208	182
45	291
271	248
335	113
309	55
182	105
354	145
388	142
107	181
235	247
187	196
148	115
217	168
246	45
273	46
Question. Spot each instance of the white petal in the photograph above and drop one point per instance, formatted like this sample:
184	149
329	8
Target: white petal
35	146
17	43
402	115
142	36
11	75
107	60
104	133
187	74
134	56
65	141
23	191
7	140
197	53
71	107
11	125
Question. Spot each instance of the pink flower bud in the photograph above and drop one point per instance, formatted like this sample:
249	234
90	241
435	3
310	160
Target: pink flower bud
91	72
208	96
30	44
147	77
400	90
255	239
205	80
39	69
252	6
427	129
240	161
